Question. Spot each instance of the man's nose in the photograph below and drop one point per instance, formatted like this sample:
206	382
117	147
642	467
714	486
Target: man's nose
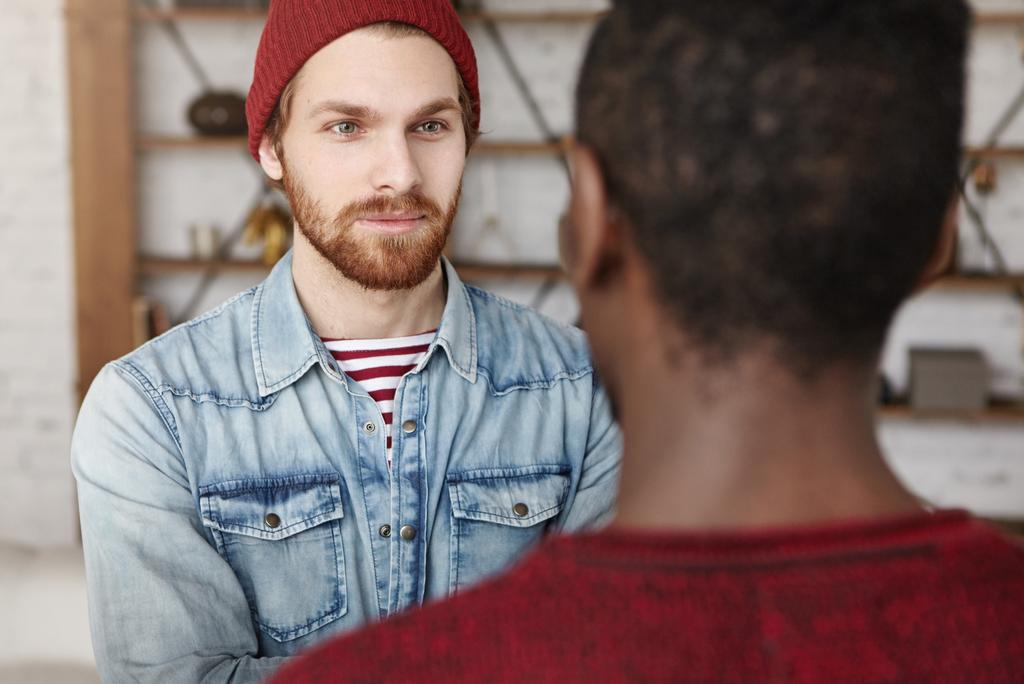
396	171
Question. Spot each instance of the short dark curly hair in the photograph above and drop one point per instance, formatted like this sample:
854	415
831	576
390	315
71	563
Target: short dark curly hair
784	165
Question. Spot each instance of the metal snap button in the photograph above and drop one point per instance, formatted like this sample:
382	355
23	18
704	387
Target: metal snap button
273	520
385	531
408	532
370	428
409	427
521	509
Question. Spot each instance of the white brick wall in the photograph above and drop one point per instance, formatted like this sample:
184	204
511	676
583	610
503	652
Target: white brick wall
950	463
37	346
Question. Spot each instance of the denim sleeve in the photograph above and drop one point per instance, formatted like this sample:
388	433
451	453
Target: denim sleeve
163	605
594	503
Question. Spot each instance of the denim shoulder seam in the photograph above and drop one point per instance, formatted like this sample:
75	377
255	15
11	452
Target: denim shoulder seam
521	308
154	396
231	402
534	383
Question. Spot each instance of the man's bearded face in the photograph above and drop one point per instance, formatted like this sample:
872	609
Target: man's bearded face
376	148
395	258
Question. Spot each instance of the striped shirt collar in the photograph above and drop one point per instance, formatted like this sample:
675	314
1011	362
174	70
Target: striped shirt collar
285	345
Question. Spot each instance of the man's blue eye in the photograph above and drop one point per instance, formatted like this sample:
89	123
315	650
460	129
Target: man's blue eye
432	127
346	128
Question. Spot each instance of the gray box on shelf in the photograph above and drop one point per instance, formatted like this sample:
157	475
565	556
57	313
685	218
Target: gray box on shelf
948	379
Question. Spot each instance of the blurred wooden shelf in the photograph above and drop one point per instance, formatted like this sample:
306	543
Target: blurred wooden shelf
148	143
1009	152
514	148
968	281
154	266
258	14
549	17
991	18
996	413
1009	525
201	14
186	142
163	266
481	271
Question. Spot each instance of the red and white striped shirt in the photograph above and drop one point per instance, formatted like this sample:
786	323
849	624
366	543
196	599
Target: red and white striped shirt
379	365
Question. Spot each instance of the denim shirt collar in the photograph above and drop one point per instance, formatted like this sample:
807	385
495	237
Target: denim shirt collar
285	345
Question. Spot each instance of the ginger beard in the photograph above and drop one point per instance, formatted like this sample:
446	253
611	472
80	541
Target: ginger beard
377	262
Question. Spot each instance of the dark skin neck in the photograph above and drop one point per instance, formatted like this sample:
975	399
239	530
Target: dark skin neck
708	446
744	445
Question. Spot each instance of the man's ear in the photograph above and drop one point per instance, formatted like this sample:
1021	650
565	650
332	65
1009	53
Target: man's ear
942	258
269	159
594	243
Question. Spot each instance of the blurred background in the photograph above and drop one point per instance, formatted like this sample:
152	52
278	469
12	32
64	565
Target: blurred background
128	204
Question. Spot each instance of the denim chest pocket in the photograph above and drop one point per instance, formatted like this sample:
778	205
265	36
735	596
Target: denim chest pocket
498	514
282	538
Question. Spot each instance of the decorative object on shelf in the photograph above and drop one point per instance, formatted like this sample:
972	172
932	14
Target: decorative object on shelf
985	177
214	111
948	380
219	113
270	224
149	320
205	239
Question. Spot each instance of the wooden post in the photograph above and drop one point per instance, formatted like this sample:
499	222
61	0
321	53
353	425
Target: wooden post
100	75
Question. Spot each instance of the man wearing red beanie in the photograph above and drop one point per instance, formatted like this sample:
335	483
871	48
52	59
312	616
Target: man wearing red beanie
360	433
729	216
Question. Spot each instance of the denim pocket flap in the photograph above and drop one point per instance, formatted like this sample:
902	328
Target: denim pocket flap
271	508
518	497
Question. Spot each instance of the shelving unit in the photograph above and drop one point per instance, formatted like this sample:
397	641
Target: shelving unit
996	413
105	150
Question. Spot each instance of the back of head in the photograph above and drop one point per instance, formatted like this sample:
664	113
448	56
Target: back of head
784	166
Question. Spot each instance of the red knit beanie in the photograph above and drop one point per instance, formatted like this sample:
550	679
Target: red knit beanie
298	29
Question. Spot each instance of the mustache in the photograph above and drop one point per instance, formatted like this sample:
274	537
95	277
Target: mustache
414	202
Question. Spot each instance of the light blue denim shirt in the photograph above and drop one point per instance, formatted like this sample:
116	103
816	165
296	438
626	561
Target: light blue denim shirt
236	502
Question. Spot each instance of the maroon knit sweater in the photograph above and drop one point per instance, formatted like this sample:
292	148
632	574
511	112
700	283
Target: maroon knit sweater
926	598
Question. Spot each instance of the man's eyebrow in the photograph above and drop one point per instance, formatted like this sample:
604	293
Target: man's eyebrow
367	114
345	109
440	105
